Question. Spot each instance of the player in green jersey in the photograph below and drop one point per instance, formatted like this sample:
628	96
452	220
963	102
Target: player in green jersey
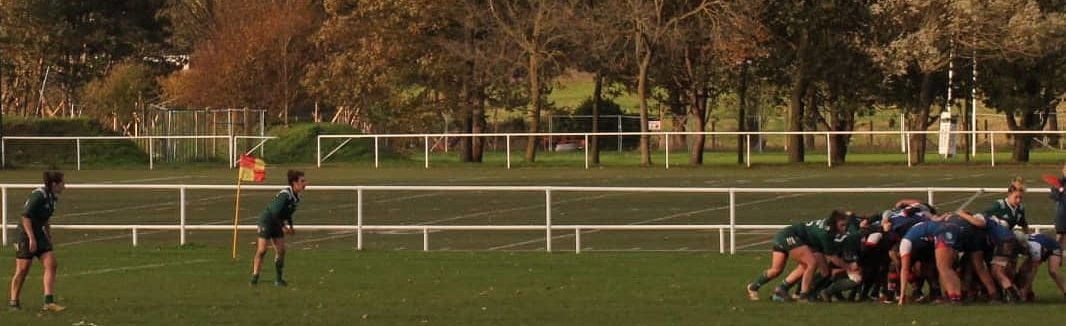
804	243
274	223
35	240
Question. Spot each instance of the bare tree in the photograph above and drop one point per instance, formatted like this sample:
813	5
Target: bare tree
540	28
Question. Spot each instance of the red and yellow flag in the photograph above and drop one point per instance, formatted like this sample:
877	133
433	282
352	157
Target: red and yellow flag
252	169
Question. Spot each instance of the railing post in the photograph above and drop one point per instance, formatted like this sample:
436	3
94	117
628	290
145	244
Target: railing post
828	150
376	159
508	141
577	240
747	149
359	218
903	137
151	157
134	236
929	196
425	239
318	150
181	227
721	240
548	219
907	149
732	221
667	136
586	151
232	150
77	148
427	151
3	214
992	146
3	152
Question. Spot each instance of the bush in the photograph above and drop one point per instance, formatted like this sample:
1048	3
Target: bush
59	153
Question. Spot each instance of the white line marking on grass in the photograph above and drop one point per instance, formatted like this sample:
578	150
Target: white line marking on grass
514	209
138	267
128	235
497	211
690	213
149	179
754	244
206	199
163	205
683	214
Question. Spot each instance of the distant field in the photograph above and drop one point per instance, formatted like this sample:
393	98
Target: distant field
482	277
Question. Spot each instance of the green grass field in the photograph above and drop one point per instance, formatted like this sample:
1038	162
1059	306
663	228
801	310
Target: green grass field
474	277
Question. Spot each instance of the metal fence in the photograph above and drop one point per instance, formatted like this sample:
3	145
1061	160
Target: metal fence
549	228
233	145
665	140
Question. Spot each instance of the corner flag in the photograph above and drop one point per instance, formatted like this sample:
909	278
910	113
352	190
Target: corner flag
250	169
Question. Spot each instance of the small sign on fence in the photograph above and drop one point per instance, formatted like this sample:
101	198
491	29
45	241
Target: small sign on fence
655	125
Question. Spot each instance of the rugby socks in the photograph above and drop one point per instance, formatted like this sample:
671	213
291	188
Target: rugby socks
279	264
13	304
760	281
48	298
819	282
255	279
784	286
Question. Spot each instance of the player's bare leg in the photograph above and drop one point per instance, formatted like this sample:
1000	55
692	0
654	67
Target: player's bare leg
22	268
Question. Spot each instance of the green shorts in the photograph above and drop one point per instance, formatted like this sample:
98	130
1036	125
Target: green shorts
22	248
787	239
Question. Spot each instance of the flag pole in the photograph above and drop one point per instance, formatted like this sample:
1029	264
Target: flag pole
236	213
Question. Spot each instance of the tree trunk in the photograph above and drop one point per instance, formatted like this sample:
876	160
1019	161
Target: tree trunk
1053	125
466	124
534	101
843	120
1022	142
810	118
642	89
477	149
597	95
742	115
920	120
839	144
795	108
699	115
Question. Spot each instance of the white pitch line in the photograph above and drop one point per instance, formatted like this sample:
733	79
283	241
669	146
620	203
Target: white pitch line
146	206
689	213
497	211
149	179
508	210
138	267
754	244
516	244
114	237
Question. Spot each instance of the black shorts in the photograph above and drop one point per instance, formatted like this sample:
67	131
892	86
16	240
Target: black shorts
973	240
22	249
268	231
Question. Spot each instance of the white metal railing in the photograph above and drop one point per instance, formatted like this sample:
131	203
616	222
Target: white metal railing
231	144
360	227
905	137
